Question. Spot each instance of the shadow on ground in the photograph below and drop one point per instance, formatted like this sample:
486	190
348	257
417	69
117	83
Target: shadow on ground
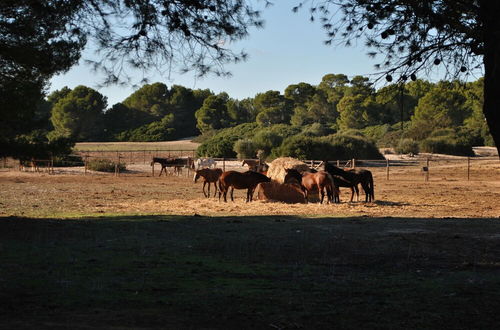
249	272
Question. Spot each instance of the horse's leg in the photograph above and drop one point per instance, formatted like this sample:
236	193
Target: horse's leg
357	192
250	193
204	193
215	185
232	191
352	193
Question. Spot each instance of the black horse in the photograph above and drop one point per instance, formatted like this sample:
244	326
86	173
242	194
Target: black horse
351	178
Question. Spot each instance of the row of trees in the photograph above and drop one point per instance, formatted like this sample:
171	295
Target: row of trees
156	113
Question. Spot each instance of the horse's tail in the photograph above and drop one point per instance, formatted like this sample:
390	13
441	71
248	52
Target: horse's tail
330	188
372	189
220	186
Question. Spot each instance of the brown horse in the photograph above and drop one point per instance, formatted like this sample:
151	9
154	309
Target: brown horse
317	181
237	180
209	175
355	177
255	165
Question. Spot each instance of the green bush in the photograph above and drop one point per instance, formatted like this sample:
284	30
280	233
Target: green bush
407	146
303	147
349	146
331	147
104	165
222	144
245	148
68	161
446	145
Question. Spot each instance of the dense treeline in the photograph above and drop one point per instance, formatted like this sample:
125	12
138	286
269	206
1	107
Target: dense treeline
418	115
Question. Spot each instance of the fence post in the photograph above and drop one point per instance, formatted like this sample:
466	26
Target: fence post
117	166
427	169
387	170
353	164
338	162
224	164
468	168
85	161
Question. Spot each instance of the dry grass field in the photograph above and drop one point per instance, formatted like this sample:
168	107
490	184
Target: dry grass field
405	194
142	252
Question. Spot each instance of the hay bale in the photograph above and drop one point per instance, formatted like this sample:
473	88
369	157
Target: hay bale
279	192
277	168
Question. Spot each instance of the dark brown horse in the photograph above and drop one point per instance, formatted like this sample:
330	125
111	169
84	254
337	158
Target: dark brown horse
209	175
237	180
311	182
355	177
176	163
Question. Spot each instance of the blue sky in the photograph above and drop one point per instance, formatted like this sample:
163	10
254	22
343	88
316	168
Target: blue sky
288	50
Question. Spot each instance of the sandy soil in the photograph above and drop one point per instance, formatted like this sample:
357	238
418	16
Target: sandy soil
69	193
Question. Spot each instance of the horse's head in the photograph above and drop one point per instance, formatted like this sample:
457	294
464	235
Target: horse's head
292	173
196	176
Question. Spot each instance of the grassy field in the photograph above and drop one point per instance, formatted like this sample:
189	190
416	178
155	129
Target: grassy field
136	146
267	272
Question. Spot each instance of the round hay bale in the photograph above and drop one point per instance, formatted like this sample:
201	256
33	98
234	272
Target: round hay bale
280	192
277	168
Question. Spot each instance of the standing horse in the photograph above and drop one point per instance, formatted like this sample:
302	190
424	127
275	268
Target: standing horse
237	180
355	177
209	175
317	181
205	162
176	163
255	165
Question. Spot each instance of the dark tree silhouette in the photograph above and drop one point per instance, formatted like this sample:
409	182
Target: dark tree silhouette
414	37
39	39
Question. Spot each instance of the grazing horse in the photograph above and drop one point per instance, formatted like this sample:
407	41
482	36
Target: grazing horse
237	180
209	175
176	163
205	162
355	177
317	181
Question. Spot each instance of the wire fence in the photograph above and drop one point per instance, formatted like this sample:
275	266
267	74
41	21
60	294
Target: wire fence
138	162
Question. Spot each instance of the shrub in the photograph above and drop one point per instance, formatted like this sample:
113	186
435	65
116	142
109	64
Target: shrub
222	144
407	146
104	165
303	147
446	145
67	161
245	148
349	146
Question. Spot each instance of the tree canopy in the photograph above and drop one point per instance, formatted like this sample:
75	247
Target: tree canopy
410	38
39	39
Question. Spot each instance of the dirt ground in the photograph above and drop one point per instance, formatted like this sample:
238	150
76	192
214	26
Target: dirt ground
68	193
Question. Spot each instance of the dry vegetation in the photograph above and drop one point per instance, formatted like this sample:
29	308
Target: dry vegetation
446	194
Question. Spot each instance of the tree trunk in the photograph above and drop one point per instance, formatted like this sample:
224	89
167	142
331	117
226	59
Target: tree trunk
491	35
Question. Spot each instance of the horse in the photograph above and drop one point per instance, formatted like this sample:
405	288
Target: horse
205	162
255	165
355	177
238	180
209	175
176	163
317	181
